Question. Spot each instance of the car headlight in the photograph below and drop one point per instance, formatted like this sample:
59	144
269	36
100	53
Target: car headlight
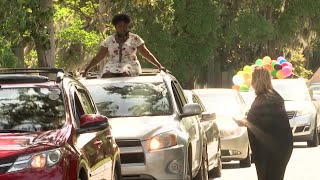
42	159
162	141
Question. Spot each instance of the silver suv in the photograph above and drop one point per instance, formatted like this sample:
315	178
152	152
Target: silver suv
159	134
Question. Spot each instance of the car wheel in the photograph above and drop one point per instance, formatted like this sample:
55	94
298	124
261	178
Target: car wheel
216	172
315	140
203	171
247	161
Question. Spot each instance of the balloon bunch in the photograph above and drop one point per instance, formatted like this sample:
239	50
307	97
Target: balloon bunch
279	69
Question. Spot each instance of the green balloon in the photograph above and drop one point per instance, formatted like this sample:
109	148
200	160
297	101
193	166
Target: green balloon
247	69
273	63
259	62
244	88
274	73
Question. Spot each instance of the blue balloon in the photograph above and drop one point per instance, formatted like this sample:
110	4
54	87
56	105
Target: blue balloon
282	61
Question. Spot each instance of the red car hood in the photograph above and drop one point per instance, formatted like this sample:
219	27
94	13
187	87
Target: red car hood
12	144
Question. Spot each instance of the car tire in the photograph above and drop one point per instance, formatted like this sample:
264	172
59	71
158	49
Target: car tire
203	171
245	163
216	172
315	140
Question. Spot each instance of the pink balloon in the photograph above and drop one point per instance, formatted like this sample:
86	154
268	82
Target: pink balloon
289	64
286	71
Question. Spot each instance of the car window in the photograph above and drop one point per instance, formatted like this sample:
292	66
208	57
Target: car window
79	110
195	99
31	109
131	99
181	93
86	102
242	103
177	97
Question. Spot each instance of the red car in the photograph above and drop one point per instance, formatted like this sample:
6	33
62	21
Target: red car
50	129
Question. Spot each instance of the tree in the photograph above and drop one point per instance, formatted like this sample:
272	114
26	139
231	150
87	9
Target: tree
24	22
45	47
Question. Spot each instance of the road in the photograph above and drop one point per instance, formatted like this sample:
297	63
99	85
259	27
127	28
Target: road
304	164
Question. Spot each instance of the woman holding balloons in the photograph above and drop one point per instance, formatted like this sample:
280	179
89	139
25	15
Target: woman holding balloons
269	130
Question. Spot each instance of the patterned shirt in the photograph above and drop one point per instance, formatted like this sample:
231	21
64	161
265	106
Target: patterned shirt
122	58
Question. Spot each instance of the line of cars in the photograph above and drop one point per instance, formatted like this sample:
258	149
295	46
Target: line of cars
55	127
144	127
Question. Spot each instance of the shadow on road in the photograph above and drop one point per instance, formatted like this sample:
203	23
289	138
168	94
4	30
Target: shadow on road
231	166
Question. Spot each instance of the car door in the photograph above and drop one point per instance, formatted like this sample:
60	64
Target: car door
192	125
212	134
97	149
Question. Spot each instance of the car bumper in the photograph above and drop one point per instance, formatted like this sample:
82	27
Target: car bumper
234	148
302	127
158	164
54	173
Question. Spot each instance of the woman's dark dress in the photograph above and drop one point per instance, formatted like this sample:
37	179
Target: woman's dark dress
270	136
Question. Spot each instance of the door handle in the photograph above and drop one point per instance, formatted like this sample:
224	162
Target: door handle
98	143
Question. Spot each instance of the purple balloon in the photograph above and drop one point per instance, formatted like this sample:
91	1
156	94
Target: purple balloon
289	64
279	58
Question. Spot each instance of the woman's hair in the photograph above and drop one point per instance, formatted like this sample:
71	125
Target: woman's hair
121	18
261	80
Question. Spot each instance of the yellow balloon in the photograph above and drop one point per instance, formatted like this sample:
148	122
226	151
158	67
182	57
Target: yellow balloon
240	73
267	60
280	75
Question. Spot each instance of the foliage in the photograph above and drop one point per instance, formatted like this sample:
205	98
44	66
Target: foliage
184	35
7	58
298	61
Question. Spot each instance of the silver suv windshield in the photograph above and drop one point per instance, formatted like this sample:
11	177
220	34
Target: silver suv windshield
31	109
292	90
131	99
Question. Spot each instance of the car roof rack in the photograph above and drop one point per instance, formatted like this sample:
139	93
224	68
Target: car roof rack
59	72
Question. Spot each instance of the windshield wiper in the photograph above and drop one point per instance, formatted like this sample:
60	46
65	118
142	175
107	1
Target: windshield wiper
13	131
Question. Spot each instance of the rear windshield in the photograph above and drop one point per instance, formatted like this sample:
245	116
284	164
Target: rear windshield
31	109
131	99
221	104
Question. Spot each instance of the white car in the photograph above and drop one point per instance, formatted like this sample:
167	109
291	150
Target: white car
300	109
228	103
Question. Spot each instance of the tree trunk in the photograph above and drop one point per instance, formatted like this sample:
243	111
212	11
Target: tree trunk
215	73
19	53
104	15
46	56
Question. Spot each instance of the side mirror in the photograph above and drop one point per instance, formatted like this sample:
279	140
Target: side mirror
92	122
208	117
191	110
